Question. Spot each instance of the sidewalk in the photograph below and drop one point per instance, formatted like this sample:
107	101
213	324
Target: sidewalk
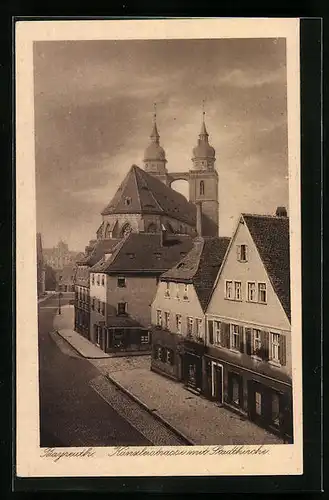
197	419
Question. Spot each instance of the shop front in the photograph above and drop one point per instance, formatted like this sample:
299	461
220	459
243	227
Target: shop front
192	355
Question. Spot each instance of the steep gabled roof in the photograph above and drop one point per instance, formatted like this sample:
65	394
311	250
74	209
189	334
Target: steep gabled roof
100	248
271	237
141	192
200	266
145	253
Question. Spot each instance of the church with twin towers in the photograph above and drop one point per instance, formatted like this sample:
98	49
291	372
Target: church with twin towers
146	203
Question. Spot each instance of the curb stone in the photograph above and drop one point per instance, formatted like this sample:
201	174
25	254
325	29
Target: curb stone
132	396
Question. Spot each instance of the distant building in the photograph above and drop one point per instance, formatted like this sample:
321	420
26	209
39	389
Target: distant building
65	278
60	256
41	271
178	312
248	348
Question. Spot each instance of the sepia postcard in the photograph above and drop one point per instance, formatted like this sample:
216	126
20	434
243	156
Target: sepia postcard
158	248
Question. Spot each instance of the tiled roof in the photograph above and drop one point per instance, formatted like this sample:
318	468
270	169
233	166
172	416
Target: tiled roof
200	266
141	192
122	321
100	248
143	252
271	237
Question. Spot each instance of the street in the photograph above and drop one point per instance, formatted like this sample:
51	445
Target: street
71	412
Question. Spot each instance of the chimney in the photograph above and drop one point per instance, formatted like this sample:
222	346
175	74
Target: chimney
281	212
163	235
199	218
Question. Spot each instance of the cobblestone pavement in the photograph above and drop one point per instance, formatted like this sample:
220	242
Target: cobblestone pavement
153	430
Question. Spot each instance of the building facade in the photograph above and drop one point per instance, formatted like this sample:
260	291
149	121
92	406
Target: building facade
123	285
41	270
178	312
248	358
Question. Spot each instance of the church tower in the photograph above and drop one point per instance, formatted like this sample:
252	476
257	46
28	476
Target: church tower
155	156
203	182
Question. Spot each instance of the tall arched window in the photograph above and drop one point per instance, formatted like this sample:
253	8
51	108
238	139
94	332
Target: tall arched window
126	229
201	187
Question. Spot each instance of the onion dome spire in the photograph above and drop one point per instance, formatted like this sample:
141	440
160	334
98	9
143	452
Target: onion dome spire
155	156
203	153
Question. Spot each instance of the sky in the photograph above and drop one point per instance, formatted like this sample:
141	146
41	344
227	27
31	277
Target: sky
94	112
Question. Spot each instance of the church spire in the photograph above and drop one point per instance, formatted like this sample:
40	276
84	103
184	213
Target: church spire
203	136
155	137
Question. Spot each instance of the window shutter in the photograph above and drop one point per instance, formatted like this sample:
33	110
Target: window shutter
211	331
241	339
226	334
238	252
265	345
248	340
283	360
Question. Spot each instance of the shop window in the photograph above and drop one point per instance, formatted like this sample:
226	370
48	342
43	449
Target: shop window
276	409
170	356
145	338
258	403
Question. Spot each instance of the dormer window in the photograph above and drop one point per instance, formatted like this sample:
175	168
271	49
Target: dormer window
242	253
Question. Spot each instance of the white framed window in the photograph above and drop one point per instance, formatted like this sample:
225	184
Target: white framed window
251	291
159	317
218	332
262	293
98	280
185	296
242	253
177	290
103	280
167	290
167	320
229	289
198	326
169	356
235	337
237	290
275	347
178	323
190	324
257	341
92	278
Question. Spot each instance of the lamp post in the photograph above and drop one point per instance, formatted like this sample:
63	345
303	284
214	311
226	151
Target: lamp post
60	295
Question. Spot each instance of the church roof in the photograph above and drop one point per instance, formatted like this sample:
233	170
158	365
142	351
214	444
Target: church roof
200	266
271	237
142	193
99	249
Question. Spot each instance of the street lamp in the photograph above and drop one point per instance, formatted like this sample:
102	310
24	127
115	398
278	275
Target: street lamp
60	295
